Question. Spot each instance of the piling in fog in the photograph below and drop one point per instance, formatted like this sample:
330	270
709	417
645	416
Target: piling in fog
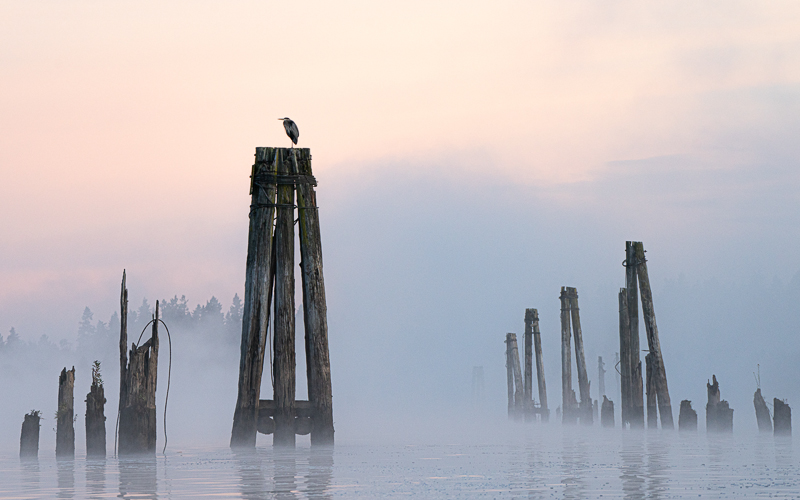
687	418
762	412
783	418
29	438
95	416
719	415
65	429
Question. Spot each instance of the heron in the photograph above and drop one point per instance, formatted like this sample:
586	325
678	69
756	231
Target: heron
291	129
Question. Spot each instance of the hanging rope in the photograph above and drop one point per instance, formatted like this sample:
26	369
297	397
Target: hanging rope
169	378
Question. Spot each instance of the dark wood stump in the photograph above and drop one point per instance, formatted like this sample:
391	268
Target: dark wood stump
783	418
719	415
687	418
762	412
65	416
29	438
607	412
95	416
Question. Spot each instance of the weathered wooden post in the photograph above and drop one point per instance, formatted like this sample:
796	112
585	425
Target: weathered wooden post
95	416
624	356
537	346
137	417
509	376
284	362
783	418
65	430
580	359
528	371
601	375
607	412
636	402
513	350
687	418
29	438
719	415
257	290
568	413
659	372
652	406
762	412
315	309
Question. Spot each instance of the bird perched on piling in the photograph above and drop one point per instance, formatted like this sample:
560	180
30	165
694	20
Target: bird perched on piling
291	129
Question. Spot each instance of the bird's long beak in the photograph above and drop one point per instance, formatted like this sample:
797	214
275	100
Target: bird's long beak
280	118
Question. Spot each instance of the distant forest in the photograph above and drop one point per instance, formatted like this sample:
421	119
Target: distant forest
96	339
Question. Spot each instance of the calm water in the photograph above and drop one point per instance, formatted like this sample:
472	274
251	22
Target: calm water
532	462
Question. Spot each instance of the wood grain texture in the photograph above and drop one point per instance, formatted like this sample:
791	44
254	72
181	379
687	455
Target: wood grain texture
624	356
568	411
256	309
537	346
284	341
586	412
65	429
652	405
636	402
96	420
315	309
648	312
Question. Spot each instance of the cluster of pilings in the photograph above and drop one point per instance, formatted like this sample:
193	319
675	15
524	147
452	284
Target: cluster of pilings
521	404
277	175
137	400
65	418
719	415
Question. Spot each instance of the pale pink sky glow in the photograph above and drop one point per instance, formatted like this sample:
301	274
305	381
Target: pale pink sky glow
128	128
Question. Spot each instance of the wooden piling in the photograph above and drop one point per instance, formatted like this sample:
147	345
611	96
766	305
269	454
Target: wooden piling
65	430
607	412
123	348
580	359
783	418
284	362
257	291
687	418
568	413
519	403
762	412
137	418
636	403
315	309
29	437
652	406
510	376
624	356
601	375
95	416
659	371
528	370
719	415
537	346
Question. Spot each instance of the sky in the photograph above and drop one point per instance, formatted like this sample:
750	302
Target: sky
472	157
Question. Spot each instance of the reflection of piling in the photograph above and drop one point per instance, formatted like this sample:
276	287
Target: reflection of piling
687	418
783	418
29	438
762	412
65	430
719	415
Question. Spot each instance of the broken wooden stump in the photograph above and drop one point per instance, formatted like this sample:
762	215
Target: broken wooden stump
137	417
719	415
607	412
95	416
65	416
762	412
783	417
29	438
687	418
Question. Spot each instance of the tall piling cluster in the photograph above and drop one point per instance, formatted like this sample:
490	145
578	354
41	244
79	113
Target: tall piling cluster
571	409
277	176
521	404
658	401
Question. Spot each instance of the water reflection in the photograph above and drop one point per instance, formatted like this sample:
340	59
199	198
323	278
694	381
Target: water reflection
66	478
137	477
251	474
30	475
632	467
95	477
320	472
285	472
657	465
574	465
